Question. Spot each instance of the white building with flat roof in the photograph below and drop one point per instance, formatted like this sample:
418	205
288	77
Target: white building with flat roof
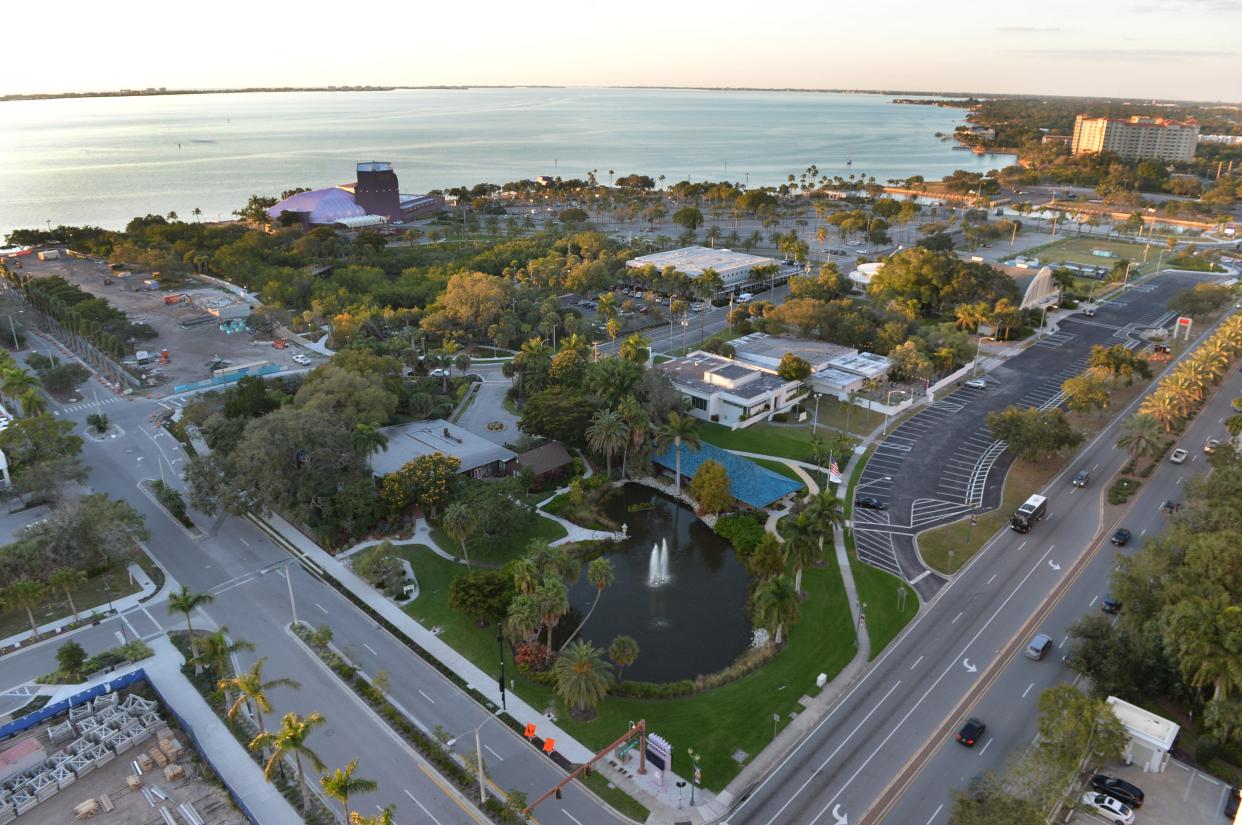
1151	736
730	392
734	268
765	351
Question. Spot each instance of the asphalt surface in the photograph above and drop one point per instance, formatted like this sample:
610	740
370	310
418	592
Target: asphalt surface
245	573
1009	704
928	678
944	461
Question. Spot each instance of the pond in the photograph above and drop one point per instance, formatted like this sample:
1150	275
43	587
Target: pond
679	591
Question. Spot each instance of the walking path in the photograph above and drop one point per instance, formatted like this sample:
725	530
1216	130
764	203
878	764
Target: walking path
146	589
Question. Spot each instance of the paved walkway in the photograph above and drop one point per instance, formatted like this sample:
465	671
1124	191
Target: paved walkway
484	683
140	577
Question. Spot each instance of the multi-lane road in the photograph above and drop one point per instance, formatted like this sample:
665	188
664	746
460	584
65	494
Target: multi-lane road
891	723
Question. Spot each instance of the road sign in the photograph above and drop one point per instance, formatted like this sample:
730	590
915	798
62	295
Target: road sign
549	745
698	776
530	730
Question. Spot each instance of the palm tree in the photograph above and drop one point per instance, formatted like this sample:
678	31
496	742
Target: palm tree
17	382
368	440
525	575
384	817
966	317
707	285
599	573
1234	422
185	602
462	362
553	600
532	362
623	651
196	212
637	423
65	579
342	784
635	348
678	428
26	593
606	434
776	605
250	687
1140	435
1164	407
582	676
803	545
459	522
33	403
1204	638
291	739
217	654
524	619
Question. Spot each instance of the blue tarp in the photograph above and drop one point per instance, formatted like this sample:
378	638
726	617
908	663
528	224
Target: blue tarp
750	483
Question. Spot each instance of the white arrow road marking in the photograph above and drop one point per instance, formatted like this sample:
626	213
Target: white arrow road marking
1053	565
969	667
840	817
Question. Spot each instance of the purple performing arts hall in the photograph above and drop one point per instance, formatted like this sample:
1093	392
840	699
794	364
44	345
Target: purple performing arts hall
373	199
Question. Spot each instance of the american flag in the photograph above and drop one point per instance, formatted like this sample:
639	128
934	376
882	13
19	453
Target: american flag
834	472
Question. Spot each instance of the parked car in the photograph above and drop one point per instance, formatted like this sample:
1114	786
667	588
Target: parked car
1110	606
1169	506
299	358
1080	480
971	732
439	372
976	384
1118	789
1211	445
1178	455
1231	803
1039	646
869	503
1107	808
1121	537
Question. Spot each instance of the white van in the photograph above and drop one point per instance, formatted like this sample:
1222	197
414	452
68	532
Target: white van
744	298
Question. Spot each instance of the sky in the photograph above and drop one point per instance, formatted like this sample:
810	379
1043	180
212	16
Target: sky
1180	49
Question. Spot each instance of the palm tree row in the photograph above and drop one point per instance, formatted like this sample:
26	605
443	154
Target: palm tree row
1182	391
20	387
28	594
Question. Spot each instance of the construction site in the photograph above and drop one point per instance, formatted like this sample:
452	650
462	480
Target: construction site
114	760
200	329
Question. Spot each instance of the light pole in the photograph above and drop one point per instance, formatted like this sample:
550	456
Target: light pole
500	644
978	347
293	606
478	749
694	757
108	590
815	420
888	404
1043	316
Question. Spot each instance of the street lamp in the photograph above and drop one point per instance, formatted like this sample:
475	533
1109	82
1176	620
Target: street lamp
694	756
978	347
108	590
500	644
1042	317
1126	282
478	749
815	420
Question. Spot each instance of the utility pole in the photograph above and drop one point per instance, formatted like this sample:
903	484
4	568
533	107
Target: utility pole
478	749
289	581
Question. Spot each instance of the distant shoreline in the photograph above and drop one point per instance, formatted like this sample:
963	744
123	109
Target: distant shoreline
164	92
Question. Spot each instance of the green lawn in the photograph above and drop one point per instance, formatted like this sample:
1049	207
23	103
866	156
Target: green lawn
786	442
86	596
1077	250
781	468
716	722
514	544
836	413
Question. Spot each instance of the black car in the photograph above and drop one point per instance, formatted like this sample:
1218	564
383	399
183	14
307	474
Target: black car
1080	480
1118	789
1170	506
1231	804
869	503
1120	538
971	732
1110	606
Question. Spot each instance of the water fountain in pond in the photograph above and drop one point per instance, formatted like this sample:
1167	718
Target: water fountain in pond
657	566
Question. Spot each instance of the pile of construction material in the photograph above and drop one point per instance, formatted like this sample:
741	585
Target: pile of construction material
95	733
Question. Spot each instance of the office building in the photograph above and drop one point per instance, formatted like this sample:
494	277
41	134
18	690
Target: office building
1136	138
734	268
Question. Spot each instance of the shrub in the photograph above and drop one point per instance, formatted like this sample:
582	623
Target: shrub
172	501
743	530
98	422
1121	490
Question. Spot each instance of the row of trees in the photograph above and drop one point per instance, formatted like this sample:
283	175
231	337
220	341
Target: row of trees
1182	391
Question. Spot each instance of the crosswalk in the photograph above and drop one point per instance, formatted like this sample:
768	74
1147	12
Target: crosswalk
91	405
873	541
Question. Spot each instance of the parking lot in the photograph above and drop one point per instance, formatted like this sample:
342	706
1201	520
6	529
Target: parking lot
189	330
944	462
1180	795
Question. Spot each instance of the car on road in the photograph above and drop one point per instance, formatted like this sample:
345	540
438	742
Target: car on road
744	298
1121	537
299	358
1039	646
1178	455
1110	606
1118	789
1169	506
1211	445
1107	808
971	732
1090	313
869	503
976	384
439	372
1080	479
1232	802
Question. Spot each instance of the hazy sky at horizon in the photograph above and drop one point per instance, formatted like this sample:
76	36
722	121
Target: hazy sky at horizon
1185	49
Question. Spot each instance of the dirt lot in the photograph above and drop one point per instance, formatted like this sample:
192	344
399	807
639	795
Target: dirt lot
188	330
209	799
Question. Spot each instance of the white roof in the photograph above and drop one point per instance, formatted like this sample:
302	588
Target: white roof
867	364
360	221
407	442
1144	725
692	260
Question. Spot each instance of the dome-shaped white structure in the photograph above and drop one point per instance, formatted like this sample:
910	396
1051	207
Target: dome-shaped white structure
323	206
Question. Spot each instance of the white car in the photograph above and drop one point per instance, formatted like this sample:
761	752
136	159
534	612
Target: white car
299	358
1105	807
439	372
744	298
976	384
1178	455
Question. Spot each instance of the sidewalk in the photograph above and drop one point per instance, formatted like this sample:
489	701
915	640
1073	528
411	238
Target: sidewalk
119	605
484	683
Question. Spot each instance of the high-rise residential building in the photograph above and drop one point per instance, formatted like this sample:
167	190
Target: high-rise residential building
1136	138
